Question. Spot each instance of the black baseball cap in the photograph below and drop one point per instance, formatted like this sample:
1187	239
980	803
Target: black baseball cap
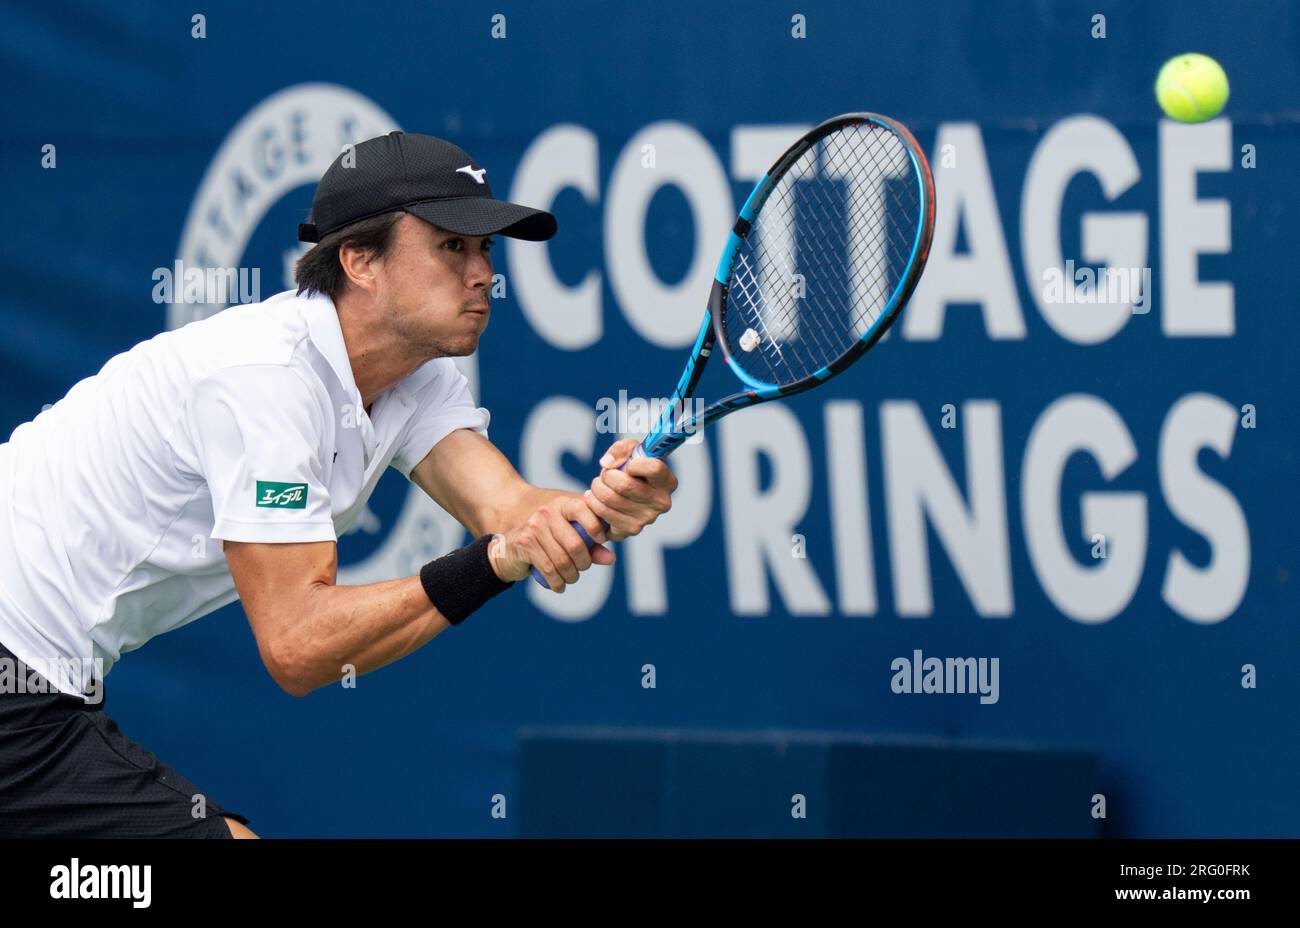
422	175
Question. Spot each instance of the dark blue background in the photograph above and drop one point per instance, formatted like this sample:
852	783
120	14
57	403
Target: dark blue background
138	109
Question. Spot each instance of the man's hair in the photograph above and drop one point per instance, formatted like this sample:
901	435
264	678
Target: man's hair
319	271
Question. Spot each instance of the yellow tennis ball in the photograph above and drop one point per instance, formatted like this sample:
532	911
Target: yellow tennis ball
1192	88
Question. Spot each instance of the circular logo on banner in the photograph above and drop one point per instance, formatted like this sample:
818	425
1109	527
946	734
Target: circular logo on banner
244	216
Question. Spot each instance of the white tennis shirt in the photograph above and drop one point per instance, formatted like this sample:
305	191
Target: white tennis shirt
246	426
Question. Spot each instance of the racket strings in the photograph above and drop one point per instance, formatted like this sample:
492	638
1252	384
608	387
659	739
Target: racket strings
867	214
824	255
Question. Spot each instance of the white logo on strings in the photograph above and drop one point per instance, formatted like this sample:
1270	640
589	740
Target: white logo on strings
477	175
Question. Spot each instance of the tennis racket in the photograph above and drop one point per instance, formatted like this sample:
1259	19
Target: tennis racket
824	256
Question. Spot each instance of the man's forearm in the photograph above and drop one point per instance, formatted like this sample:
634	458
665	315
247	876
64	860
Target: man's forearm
364	627
526	503
367	627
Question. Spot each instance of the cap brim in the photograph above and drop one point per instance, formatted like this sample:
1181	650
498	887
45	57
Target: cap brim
486	216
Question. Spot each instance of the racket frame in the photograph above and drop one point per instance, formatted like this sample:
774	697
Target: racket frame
675	427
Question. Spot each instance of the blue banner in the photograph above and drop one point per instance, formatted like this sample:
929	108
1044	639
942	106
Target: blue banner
1072	459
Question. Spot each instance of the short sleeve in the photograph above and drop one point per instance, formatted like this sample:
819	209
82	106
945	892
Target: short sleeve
258	431
443	404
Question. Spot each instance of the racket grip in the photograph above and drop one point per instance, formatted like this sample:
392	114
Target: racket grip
637	452
586	539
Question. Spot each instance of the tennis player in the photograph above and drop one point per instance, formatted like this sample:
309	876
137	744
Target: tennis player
224	459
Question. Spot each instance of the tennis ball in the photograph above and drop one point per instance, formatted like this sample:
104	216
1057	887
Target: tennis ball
1192	88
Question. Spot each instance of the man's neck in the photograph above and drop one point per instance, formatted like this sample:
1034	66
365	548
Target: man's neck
378	361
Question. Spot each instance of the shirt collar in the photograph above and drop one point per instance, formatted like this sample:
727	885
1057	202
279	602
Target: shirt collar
327	335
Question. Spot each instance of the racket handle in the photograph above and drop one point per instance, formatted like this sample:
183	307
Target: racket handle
586	539
637	452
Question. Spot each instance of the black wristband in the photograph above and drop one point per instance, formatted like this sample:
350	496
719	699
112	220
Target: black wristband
460	582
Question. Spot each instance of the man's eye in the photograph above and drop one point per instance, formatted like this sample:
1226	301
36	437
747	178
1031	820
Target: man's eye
489	243
455	244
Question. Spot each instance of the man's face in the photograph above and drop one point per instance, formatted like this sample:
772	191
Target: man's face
433	287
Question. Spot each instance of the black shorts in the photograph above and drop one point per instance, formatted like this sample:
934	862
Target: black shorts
67	771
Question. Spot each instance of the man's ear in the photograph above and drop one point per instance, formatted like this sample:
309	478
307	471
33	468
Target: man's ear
360	266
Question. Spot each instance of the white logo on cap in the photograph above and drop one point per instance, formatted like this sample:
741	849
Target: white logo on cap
477	175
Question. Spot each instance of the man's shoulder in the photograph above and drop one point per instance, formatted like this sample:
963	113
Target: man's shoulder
266	333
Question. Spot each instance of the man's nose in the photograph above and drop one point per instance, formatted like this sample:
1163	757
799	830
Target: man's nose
479	272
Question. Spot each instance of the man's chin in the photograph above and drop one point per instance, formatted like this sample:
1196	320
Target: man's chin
458	347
